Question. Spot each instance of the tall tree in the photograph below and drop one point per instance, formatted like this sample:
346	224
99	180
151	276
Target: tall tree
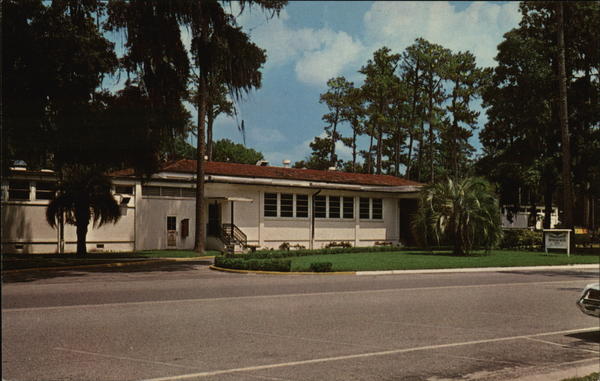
335	98
466	81
378	89
353	112
219	45
564	120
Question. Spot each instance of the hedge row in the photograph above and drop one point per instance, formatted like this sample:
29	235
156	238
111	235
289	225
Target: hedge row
275	254
283	265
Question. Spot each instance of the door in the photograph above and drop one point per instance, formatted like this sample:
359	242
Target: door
408	207
171	232
214	219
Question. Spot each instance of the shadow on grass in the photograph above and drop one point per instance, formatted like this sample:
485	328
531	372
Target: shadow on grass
152	267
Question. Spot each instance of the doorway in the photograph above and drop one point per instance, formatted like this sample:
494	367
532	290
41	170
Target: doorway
408	208
214	219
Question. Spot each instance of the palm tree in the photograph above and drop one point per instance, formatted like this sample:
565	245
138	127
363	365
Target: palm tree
83	195
465	212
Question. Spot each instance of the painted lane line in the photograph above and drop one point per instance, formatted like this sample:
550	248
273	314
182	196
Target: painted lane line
310	339
361	355
126	358
259	297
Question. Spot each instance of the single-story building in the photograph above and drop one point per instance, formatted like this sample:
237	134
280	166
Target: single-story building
522	217
246	205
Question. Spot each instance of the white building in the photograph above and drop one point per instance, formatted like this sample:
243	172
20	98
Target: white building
248	205
523	217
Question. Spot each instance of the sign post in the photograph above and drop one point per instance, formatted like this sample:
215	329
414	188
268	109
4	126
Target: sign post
557	239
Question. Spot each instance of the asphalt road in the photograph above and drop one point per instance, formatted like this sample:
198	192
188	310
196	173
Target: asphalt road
181	321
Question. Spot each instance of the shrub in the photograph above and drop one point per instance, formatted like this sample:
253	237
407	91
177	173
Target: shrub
285	246
521	238
321	267
284	265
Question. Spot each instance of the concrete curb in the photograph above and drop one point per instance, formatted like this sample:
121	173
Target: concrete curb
481	269
101	265
213	267
423	271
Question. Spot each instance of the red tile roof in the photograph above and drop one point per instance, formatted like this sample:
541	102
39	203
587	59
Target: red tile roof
255	171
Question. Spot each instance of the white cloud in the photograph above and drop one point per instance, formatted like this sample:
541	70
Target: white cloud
478	28
337	52
318	54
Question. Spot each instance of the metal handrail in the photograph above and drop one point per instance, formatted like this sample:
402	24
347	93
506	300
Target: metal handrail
232	234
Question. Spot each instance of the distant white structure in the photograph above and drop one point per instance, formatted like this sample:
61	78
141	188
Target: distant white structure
523	218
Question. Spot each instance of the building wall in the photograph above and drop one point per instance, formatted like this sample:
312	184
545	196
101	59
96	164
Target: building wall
25	230
143	225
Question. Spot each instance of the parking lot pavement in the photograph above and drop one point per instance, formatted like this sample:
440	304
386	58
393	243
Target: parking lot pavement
196	324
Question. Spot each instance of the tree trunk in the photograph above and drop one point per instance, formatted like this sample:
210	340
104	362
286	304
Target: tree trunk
210	118
431	137
369	157
332	158
379	147
200	231
82	229
548	192
397	156
420	157
564	123
354	150
409	158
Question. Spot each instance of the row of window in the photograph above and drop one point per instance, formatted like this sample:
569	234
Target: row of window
168	191
19	190
296	206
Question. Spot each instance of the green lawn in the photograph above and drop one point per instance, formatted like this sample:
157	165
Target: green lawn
411	260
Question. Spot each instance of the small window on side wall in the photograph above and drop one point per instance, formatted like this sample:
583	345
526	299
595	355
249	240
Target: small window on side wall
320	207
377	209
301	205
171	223
44	190
270	205
287	205
18	190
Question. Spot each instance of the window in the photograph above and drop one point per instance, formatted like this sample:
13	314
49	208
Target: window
320	207
270	205
150	191
371	208
170	192
124	189
18	190
377	209
171	223
364	208
301	205
334	207
44	190
188	192
287	205
348	207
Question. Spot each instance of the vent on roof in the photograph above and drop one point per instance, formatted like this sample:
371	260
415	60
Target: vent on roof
262	163
332	169
286	163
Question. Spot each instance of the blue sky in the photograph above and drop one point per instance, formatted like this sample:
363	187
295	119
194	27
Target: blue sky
311	42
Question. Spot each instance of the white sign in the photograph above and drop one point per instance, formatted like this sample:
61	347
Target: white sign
557	239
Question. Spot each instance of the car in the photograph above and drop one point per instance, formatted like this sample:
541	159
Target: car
589	301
